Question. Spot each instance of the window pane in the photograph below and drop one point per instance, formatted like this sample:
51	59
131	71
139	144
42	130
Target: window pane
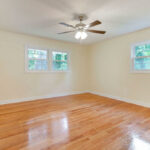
37	65
142	63
60	66
37	54
60	62
142	50
60	56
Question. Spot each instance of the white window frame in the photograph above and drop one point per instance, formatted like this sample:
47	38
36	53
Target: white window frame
27	59
133	58
68	61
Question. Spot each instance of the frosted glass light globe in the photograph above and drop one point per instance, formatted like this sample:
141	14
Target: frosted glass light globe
83	35
78	35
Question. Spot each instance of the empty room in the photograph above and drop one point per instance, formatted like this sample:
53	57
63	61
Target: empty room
74	75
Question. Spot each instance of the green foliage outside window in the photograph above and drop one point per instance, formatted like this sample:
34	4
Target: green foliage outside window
143	50
60	61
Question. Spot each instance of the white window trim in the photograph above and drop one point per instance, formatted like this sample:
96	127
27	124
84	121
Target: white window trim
49	59
27	60
68	60
132	70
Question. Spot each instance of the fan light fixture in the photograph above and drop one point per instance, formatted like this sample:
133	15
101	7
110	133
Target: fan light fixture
81	35
81	29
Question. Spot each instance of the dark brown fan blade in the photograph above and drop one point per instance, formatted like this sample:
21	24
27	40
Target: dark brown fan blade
97	31
66	32
97	22
67	25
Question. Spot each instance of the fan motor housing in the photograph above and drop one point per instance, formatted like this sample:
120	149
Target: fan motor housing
80	25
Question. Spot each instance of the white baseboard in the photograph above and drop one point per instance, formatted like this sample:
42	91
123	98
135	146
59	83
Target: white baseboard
18	100
141	103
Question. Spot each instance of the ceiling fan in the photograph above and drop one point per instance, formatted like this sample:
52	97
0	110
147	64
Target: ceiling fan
81	29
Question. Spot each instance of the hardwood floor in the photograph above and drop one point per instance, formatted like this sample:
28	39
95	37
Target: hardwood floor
77	122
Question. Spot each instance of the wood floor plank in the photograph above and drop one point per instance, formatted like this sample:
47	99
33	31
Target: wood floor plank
76	122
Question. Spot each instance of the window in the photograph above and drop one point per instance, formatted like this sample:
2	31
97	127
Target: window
43	60
37	60
59	61
141	57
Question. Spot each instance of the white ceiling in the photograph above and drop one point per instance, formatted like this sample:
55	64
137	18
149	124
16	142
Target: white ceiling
41	17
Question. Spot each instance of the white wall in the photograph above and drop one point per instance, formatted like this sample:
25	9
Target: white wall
103	68
15	83
110	69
